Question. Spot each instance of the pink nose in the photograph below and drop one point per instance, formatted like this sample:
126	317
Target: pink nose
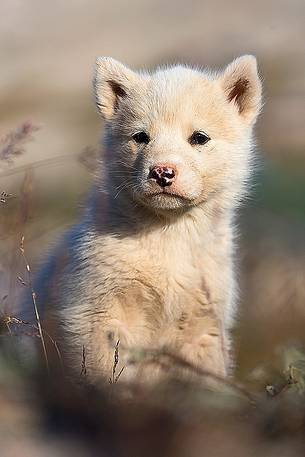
164	175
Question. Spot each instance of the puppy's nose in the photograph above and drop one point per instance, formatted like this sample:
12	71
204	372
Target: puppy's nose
164	175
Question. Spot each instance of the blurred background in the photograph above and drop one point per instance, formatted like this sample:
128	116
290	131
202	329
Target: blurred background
47	54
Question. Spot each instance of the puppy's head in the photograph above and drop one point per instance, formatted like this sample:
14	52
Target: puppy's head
178	137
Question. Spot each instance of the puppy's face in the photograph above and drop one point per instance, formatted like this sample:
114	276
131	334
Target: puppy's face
178	137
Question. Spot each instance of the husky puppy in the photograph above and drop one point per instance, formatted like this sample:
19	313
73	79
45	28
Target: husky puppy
151	263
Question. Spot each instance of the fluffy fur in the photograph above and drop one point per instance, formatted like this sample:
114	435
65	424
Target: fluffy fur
149	266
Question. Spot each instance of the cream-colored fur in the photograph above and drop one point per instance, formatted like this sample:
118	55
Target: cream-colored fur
153	267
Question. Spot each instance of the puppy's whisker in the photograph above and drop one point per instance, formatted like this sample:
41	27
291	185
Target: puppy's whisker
122	187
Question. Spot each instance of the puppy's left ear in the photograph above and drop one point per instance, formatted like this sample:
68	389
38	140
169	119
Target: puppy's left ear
242	86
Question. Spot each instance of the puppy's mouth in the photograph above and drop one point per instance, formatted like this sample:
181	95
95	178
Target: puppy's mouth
166	200
166	193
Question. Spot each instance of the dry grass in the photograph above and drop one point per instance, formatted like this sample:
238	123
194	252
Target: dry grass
13	144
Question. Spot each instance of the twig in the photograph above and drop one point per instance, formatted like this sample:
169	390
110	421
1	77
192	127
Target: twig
39	163
12	144
40	330
8	327
114	379
119	374
84	367
4	197
22	281
272	391
155	357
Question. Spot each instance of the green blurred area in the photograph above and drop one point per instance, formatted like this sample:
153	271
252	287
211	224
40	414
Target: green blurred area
281	189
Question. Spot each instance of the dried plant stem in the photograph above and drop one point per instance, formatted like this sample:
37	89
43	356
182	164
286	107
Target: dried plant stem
115	377
39	163
84	367
156	356
40	330
8	328
12	145
4	197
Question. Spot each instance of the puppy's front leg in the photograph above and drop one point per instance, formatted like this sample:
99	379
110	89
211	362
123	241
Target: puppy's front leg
199	340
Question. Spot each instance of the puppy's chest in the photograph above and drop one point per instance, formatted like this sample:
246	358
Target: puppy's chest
173	278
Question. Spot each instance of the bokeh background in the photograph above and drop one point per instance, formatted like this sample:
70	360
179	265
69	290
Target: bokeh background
47	54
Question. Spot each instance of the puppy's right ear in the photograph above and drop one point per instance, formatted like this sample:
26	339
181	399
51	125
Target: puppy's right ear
112	82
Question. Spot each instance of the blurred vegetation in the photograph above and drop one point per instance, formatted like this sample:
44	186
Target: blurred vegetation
48	52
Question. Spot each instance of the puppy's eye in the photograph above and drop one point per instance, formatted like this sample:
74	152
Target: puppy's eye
141	137
199	138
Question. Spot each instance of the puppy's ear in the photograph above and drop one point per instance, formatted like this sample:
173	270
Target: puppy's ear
242	86
111	83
